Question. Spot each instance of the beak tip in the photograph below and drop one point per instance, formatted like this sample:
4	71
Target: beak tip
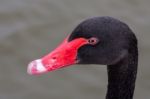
36	67
29	69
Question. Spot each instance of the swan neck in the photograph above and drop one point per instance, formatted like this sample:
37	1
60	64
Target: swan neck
122	77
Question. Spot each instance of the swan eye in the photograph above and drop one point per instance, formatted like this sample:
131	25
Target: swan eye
93	40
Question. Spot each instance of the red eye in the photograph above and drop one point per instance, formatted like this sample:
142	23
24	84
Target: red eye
93	40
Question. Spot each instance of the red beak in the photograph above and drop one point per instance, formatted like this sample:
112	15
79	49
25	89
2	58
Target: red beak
64	55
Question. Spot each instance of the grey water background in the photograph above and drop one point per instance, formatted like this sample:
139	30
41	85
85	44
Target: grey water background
29	29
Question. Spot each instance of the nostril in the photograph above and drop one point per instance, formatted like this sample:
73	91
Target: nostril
53	58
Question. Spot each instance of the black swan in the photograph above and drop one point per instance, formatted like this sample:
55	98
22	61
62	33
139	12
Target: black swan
98	40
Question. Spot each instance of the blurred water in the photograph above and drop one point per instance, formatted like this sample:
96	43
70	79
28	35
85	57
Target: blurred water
30	29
